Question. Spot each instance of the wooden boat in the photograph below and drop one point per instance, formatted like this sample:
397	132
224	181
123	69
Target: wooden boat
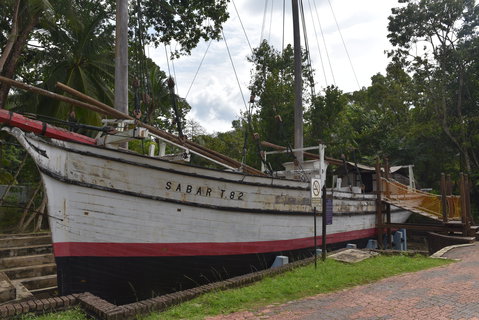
127	226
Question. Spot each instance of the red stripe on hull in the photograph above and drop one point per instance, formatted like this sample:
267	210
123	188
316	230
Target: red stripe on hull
101	249
35	126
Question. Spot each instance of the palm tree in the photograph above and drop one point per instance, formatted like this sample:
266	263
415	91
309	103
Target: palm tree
81	55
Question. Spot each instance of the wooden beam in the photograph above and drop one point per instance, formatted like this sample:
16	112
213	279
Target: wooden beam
167	136
49	94
422	227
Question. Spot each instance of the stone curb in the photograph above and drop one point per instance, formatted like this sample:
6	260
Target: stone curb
440	254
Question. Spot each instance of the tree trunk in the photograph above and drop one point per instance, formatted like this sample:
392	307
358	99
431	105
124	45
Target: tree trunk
11	61
11	38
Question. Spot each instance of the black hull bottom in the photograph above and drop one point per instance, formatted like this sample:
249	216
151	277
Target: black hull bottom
129	279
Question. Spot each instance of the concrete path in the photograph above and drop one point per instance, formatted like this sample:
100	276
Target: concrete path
443	293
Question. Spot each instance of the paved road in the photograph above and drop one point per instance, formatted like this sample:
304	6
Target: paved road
443	293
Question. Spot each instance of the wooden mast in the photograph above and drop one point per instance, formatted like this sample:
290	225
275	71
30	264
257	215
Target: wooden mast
121	56
298	85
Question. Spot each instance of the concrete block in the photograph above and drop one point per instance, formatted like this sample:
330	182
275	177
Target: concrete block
372	244
351	246
399	239
280	261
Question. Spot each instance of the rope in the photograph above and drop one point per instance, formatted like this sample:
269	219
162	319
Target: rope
174	72
324	43
167	61
270	21
317	43
234	70
171	87
264	21
241	22
344	45
306	44
199	67
282	37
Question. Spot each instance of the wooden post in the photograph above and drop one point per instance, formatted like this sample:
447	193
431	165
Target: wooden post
443	197
379	213
448	185
388	221
386	175
464	218
467	191
387	171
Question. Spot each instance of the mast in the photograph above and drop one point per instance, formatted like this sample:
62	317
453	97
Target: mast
298	85
121	56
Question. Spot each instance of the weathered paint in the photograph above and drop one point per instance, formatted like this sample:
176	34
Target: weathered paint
130	198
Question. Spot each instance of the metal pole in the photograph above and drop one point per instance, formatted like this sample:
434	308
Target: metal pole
315	241
121	56
323	236
298	85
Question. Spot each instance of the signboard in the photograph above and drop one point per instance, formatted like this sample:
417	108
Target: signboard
329	211
316	192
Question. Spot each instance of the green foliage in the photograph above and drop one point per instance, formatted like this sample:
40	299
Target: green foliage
436	42
328	122
80	55
273	84
186	22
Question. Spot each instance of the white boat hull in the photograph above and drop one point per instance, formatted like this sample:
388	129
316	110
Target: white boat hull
125	222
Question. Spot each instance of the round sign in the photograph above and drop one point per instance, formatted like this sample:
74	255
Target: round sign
316	188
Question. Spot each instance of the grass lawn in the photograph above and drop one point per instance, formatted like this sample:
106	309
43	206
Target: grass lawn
299	283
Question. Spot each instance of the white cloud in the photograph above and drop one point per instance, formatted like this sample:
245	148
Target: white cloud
215	97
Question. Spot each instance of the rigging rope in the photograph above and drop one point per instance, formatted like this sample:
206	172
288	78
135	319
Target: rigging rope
324	43
174	70
270	21
317	43
167	60
264	21
242	26
306	45
173	95
344	45
234	69
282	37
197	70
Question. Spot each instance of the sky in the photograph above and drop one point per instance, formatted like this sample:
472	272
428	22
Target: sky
215	97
